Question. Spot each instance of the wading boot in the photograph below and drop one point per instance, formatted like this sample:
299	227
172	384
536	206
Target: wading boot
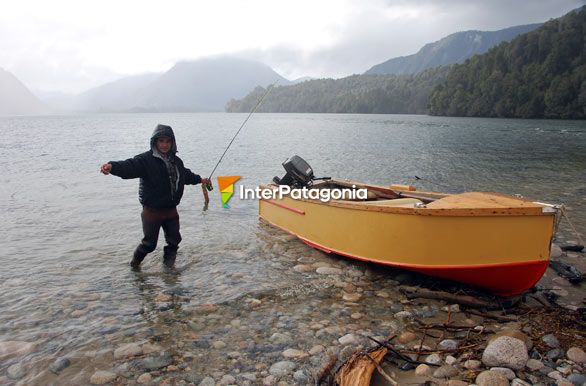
136	260
169	256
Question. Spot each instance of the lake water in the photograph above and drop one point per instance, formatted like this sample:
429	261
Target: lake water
69	232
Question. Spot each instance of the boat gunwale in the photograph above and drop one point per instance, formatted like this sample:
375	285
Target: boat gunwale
536	210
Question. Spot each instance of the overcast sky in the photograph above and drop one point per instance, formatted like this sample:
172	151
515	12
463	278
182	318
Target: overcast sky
72	45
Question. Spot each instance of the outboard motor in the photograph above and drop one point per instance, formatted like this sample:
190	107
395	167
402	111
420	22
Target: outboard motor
299	173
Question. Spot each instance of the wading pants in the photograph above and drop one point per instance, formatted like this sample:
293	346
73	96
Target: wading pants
152	221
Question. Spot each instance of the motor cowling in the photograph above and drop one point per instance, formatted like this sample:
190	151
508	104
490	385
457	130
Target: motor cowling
298	173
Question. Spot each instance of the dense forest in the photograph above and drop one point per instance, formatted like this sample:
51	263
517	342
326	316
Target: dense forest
370	94
541	74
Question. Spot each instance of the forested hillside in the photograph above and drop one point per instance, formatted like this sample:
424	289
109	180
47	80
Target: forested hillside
374	94
541	74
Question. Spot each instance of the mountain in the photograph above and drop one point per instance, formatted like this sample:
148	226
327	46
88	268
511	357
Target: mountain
120	95
191	86
16	98
377	94
541	74
206	84
454	48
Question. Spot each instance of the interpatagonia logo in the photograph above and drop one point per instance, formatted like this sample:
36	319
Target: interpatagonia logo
226	184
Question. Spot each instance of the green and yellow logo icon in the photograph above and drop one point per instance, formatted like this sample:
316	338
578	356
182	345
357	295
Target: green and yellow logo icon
226	184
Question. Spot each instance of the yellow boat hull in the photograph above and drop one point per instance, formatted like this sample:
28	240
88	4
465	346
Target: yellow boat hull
504	249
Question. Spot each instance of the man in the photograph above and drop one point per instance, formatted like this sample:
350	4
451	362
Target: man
162	179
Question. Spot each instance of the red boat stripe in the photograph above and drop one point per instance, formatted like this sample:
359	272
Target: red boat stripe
298	211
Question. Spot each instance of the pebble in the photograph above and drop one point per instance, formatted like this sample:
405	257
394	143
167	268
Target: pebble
519	382
434	359
448	344
445	371
303	268
513	334
249	376
534	364
406	337
207	381
506	352
551	341
403	314
354	297
576	355
349	339
227	380
281	369
15	348
450	360
455	382
157	361
472	364
555	375
382	294
16	371
101	377
563	382
59	364
279	338
577	379
149	348
423	370
510	374
293	353
491	378
128	350
163	298
454	308
556	353
144	379
301	376
316	349
329	271
356	315
218	344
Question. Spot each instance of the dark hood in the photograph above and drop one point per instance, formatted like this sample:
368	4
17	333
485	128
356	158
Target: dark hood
163	131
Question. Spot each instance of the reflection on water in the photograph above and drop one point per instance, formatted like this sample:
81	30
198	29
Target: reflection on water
70	232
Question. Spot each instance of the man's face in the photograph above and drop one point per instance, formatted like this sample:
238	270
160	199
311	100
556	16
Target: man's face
164	144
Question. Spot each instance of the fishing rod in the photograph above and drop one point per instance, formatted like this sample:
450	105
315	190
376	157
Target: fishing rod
209	187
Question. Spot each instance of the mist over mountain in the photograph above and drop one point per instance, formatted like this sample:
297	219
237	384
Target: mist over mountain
203	85
16	98
207	84
121	95
454	48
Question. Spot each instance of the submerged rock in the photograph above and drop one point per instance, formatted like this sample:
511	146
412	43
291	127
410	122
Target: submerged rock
101	377
281	369
16	371
128	350
59	364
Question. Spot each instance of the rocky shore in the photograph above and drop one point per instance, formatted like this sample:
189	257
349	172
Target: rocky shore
305	333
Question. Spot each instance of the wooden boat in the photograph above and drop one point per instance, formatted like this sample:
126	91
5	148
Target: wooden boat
493	241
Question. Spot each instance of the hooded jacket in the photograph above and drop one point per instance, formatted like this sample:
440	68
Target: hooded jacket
162	177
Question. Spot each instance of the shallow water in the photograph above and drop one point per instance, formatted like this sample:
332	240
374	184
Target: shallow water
69	231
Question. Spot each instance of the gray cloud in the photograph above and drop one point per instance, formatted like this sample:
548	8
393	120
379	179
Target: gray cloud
56	58
370	38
